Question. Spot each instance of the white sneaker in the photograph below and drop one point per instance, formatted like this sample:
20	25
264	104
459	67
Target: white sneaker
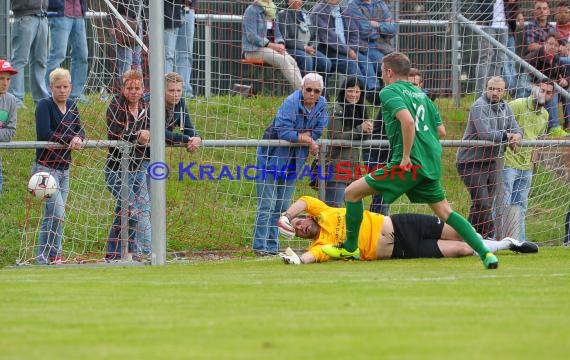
289	257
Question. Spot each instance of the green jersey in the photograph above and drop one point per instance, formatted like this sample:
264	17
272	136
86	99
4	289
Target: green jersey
426	149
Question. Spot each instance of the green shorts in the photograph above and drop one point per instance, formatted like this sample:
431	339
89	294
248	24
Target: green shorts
392	182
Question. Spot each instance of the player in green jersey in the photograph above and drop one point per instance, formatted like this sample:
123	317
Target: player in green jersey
412	122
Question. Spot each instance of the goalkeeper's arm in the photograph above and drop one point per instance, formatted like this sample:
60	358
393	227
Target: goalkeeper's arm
284	223
295	209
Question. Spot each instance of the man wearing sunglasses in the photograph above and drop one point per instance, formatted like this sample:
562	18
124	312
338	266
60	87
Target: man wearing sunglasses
300	120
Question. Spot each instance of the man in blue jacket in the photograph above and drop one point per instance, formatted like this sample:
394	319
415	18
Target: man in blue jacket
300	119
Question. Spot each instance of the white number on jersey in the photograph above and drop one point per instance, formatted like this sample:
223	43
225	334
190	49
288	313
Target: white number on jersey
420	117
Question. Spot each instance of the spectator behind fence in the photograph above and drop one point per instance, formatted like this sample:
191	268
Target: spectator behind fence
299	35
513	15
128	51
547	60
29	46
490	119
331	38
57	120
371	31
532	118
179	40
8	112
179	127
258	20
562	16
67	27
534	36
128	120
491	16
301	118
349	121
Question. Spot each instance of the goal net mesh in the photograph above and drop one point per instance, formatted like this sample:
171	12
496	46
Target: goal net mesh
216	210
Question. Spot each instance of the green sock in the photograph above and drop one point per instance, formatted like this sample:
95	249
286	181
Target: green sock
466	231
354	211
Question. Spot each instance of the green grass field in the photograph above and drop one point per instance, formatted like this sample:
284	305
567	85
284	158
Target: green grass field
262	309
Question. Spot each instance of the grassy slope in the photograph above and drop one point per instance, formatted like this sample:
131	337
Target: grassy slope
260	309
223	218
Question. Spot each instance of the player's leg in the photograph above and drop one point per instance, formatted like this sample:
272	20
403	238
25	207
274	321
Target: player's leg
444	211
383	180
454	248
353	196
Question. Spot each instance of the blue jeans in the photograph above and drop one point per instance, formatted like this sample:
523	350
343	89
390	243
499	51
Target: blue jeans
29	45
273	198
64	30
51	229
490	62
345	66
552	108
373	157
127	59
516	187
137	204
509	70
334	193
523	86
179	49
318	62
369	64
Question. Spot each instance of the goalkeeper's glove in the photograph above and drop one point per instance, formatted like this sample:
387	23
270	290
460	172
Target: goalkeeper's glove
290	257
285	227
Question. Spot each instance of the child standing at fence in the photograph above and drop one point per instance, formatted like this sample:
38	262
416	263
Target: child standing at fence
57	120
8	114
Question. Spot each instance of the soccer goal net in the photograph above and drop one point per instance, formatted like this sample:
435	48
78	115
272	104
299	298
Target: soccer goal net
211	201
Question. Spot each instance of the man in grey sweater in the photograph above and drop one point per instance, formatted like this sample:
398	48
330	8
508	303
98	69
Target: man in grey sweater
490	119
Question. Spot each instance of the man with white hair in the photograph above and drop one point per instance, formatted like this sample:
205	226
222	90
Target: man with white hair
301	118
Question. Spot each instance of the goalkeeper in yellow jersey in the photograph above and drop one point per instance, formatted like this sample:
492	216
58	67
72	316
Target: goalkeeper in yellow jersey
401	236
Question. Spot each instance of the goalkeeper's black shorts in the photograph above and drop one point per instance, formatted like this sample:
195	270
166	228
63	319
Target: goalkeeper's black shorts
416	236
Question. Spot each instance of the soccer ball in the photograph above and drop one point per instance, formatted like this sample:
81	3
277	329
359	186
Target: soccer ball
42	185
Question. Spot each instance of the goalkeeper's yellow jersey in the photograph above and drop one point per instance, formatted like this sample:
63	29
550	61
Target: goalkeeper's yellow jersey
333	229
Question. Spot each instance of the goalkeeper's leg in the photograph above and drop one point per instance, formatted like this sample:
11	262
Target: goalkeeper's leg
443	210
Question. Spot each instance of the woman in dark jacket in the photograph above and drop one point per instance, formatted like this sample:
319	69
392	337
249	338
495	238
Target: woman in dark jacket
349	122
128	120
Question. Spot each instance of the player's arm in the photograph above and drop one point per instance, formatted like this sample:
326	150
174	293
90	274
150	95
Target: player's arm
290	257
296	208
408	134
441	131
308	258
